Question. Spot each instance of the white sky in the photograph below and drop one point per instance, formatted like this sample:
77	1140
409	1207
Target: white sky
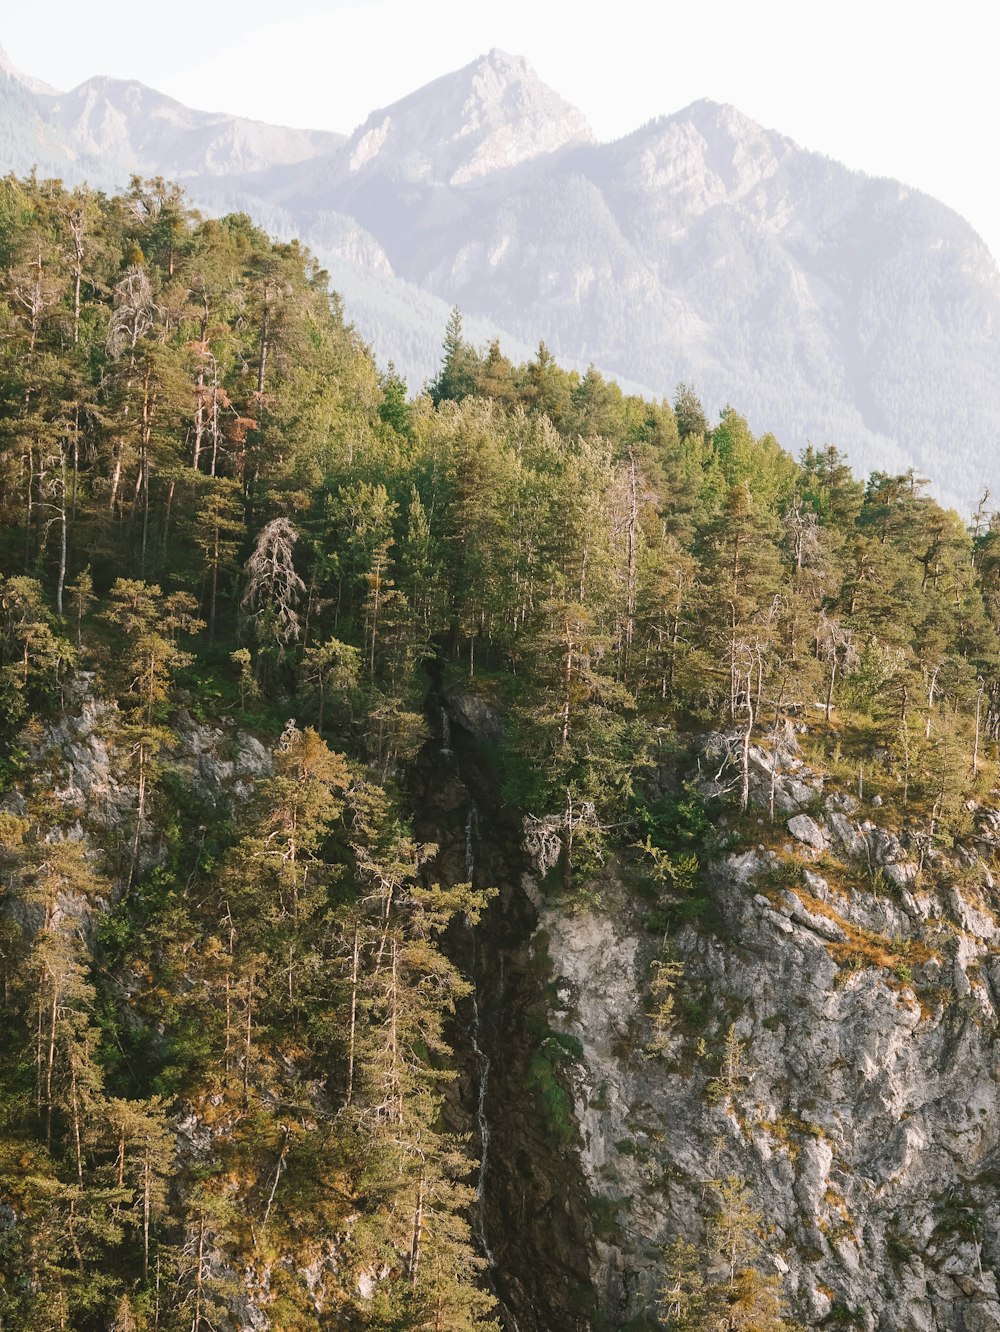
899	89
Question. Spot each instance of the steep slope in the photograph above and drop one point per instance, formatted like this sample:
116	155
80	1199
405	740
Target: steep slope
833	1049
860	1106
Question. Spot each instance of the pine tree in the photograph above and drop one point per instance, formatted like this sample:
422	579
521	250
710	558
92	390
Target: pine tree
459	365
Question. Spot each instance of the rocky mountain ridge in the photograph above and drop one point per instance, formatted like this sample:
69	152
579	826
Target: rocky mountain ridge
125	123
34	85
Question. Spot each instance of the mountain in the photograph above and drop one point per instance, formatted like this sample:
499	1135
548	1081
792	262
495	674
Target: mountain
106	129
832	306
143	131
494	114
702	247
468	126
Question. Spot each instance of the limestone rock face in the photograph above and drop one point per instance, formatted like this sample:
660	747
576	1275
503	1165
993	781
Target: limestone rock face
477	716
867	1120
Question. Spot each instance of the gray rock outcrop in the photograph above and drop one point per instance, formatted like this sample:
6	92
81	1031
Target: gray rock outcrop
867	1123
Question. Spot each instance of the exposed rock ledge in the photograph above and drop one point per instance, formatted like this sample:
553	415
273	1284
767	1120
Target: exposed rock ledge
868	1123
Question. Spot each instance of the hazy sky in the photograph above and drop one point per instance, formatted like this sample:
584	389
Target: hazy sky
900	89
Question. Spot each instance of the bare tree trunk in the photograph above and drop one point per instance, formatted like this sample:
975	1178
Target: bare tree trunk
675	632
75	1106
76	227
76	306
630	597
979	711
140	815
76	468
50	1066
116	477
397	1098
248	1043
199	1276
147	1203
568	844
28	508
39	1062
355	960
376	593
148	402
748	732
61	580
774	766
567	681
199	417
168	510
265	323
215	419
930	701
278	1170
418	1226
228	1035
734	671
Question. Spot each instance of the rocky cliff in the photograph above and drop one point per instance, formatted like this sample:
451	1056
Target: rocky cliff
835	1047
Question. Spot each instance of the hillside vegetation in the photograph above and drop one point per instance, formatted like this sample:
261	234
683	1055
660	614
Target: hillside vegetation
227	1041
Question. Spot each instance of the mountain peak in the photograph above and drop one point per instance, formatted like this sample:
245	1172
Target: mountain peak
517	65
492	114
722	119
705	154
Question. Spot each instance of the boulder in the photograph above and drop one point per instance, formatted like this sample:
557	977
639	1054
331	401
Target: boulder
807	830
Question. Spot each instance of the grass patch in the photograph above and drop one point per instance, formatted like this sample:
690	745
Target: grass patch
863	948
